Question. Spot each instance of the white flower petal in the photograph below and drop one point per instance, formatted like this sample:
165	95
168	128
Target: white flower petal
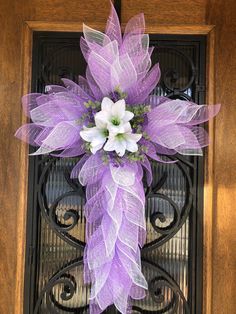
95	148
115	129
120	147
110	145
127	127
118	109
101	119
131	146
98	140
128	116
95	136
88	134
116	145
133	137
107	104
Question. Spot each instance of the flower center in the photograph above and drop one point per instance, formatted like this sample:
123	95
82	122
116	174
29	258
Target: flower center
115	121
120	136
105	132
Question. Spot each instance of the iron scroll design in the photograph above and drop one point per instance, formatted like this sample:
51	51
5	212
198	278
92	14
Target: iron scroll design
179	214
62	229
69	286
49	211
156	286
68	282
61	287
171	81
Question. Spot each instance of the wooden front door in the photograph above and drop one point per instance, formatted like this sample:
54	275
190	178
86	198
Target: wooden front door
172	256
18	23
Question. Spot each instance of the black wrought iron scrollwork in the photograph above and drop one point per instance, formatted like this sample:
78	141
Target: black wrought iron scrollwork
69	285
59	294
49	212
172	80
69	288
161	217
74	184
156	286
51	66
179	214
71	218
68	215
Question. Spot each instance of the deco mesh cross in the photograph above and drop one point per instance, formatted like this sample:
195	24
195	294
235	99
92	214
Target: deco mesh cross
113	122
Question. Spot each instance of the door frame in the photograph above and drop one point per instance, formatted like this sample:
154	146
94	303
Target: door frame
209	190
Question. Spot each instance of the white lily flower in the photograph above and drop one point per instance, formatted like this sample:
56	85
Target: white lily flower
113	116
120	142
112	123
96	136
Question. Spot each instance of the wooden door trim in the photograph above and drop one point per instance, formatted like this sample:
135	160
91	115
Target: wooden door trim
209	31
23	193
209	182
156	29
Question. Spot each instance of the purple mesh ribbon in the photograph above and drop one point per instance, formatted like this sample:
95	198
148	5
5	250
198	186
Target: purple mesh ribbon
115	229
